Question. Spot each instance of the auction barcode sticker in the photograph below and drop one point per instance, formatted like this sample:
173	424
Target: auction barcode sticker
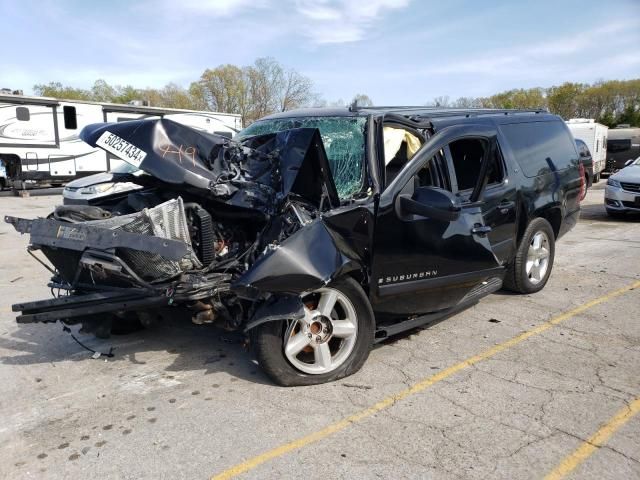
121	148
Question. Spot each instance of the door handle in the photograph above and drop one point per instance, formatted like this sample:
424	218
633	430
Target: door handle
505	206
481	230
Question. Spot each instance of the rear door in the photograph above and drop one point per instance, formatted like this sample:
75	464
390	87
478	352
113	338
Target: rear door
423	264
494	192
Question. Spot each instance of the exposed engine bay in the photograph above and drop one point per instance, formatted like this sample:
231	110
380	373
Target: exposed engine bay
211	232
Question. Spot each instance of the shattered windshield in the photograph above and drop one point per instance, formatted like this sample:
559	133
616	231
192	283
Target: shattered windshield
343	139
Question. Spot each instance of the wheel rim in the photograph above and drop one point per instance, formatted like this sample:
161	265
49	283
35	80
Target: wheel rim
538	258
322	340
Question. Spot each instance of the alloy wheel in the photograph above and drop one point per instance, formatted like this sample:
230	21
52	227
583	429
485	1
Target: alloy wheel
324	338
538	258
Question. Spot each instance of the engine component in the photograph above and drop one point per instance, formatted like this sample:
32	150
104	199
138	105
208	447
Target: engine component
203	313
79	213
202	235
166	220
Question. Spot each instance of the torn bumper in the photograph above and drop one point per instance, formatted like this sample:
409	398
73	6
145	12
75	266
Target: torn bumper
94	265
73	306
79	237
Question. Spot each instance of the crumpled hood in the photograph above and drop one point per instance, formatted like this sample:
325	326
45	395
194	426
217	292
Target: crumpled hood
257	173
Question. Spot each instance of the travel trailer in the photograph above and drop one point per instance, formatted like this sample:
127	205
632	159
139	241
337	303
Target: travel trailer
39	136
595	136
623	145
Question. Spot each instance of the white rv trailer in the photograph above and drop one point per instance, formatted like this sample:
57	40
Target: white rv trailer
39	135
595	136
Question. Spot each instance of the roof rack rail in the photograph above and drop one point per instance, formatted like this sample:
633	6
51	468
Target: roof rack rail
397	107
448	111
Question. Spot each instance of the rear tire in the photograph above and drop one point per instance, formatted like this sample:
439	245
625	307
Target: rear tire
596	178
531	267
280	344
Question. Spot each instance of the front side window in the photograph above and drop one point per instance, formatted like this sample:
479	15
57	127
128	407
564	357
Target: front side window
433	173
343	139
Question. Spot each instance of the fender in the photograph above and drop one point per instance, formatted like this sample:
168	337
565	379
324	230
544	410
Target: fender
278	307
307	260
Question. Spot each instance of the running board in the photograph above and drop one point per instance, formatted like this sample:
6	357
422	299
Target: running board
482	290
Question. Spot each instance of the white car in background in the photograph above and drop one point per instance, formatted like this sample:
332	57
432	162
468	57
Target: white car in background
85	190
622	193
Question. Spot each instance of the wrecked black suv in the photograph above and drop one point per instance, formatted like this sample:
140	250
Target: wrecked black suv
316	232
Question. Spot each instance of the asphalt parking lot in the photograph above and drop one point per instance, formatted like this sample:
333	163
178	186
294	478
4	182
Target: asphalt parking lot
515	387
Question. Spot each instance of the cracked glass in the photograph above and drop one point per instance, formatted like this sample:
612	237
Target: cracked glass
344	142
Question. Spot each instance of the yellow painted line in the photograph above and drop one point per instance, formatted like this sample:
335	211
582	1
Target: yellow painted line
598	439
256	461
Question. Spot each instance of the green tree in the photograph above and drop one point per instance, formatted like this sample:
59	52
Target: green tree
224	89
441	101
103	92
253	91
57	90
127	94
630	115
363	100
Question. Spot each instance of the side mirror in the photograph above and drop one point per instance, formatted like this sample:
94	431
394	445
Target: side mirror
628	162
431	202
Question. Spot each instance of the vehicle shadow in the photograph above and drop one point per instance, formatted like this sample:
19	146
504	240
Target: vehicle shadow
414	331
598	212
191	347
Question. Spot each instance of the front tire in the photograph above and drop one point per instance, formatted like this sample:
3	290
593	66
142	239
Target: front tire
533	262
332	341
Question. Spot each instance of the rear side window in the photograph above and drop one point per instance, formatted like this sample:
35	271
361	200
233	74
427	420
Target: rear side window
540	147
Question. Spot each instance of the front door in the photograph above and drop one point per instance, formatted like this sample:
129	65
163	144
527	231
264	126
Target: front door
423	264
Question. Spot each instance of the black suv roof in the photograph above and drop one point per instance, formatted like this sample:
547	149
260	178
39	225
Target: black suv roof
419	114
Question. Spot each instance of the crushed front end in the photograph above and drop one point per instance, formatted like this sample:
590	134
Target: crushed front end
209	210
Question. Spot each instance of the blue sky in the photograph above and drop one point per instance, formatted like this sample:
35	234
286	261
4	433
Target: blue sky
396	51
